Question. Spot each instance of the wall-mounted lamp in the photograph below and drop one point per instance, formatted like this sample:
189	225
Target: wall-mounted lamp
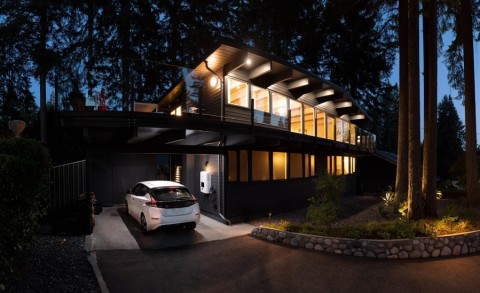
248	61
213	81
206	163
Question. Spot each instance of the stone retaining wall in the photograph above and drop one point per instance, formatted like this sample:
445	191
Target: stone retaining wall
424	247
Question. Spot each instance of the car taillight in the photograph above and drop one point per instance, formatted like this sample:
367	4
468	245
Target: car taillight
152	202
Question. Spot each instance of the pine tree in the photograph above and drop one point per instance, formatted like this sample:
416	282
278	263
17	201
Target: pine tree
451	134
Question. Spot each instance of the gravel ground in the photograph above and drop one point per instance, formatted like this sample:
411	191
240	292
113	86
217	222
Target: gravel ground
53	264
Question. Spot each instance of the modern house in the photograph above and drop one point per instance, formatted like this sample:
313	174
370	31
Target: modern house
244	130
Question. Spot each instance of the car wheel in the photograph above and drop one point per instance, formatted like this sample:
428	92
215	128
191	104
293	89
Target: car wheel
126	208
143	223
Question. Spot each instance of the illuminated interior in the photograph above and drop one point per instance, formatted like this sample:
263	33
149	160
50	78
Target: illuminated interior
320	124
261	99
296	116
237	93
243	166
279	165
260	166
296	165
308	121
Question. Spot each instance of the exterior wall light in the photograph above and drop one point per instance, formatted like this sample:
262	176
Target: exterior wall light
213	81
248	61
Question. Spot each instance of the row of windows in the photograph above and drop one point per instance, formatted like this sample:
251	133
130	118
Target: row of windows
341	165
268	165
304	119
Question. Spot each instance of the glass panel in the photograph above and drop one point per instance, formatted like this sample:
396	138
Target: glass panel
346	132
352	134
320	124
346	165
279	110
308	121
243	166
338	165
261	99
296	116
330	128
306	166
237	93
232	166
312	165
260	166
296	166
339	129
279	165
354	164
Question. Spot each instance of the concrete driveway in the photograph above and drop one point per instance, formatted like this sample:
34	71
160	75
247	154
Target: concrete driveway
114	229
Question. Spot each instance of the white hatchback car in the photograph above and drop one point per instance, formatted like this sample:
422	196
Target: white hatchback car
161	203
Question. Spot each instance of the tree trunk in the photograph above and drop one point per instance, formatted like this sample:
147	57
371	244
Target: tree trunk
90	44
125	36
470	119
415	204
43	71
430	105
401	184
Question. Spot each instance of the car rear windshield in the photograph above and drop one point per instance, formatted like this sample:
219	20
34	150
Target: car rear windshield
171	194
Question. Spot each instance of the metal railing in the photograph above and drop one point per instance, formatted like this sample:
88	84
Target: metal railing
69	184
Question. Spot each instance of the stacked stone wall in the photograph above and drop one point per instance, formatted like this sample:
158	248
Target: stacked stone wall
422	247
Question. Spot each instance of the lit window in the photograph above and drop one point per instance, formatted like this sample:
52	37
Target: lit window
320	124
296	116
296	166
279	105
308	121
279	110
177	111
261	99
279	165
339	129
232	166
260	166
312	165
330	128
243	166
346	165
346	131
352	134
237	93
338	165
354	166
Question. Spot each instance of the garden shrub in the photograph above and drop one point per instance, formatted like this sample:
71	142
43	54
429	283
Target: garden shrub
24	190
325	204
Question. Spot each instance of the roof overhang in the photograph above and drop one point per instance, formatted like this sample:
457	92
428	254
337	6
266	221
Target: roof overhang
268	71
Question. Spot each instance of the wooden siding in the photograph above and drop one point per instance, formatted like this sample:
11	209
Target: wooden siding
237	114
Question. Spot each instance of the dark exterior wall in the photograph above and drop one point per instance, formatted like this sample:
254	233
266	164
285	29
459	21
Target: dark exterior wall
211	202
210	100
256	199
113	175
374	174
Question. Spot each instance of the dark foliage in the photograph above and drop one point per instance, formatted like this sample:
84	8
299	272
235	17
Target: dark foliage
451	137
24	185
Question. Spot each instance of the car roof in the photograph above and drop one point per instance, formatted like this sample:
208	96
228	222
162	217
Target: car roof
161	183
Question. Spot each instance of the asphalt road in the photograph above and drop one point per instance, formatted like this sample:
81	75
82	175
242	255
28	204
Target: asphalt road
245	264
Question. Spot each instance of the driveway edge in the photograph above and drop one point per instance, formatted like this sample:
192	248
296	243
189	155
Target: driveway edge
92	259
